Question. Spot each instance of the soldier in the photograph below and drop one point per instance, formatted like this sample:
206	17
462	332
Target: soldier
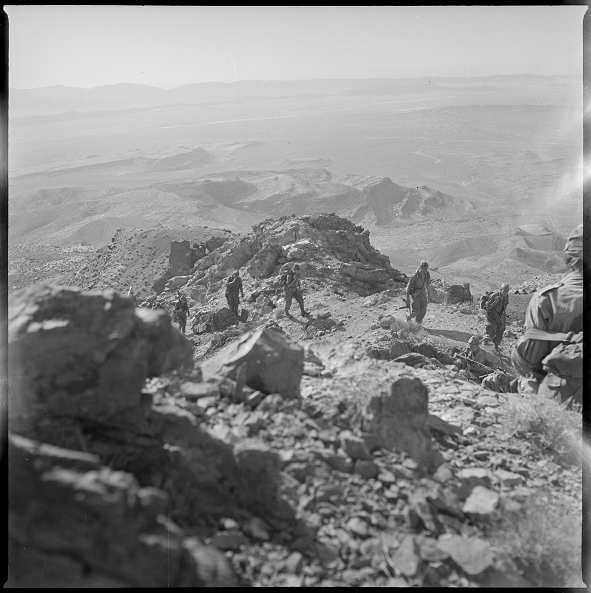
473	352
548	356
131	296
233	288
181	310
293	285
496	315
497	380
419	289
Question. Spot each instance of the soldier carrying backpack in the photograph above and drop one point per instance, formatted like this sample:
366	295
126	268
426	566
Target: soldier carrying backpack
292	285
496	314
549	355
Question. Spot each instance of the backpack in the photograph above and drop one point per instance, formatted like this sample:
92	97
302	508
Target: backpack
284	277
483	300
565	360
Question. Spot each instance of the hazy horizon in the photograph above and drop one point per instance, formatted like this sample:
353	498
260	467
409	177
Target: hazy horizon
171	46
516	75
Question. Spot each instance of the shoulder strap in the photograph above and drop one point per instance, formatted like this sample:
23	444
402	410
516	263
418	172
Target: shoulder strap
538	334
551	287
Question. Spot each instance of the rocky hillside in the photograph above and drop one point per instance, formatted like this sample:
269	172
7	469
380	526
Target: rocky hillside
338	449
35	264
139	257
282	460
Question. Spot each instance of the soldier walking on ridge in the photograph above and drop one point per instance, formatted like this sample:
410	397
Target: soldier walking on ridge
293	285
419	289
549	355
496	315
181	310
233	289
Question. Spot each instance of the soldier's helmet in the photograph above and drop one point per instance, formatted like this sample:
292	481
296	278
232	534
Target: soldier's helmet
505	287
474	340
424	265
573	250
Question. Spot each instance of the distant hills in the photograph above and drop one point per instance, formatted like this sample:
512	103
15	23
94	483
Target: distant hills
237	199
60	99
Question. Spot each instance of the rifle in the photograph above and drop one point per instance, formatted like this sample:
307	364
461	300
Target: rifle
406	305
478	365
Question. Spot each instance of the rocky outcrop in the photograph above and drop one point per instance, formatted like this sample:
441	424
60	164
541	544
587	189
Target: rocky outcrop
84	355
67	511
457	293
208	321
264	261
274	364
79	363
214	243
329	248
400	419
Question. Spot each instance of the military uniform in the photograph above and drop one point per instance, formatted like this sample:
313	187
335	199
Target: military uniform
181	310
555	309
418	289
496	316
233	289
292	291
479	357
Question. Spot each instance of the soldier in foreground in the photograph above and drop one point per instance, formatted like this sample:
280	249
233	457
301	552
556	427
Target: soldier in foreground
496	315
549	355
181	310
419	289
476	361
474	358
233	292
293	285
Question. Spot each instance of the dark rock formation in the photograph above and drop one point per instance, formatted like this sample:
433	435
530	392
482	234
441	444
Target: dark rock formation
79	361
400	419
82	517
274	363
457	293
84	355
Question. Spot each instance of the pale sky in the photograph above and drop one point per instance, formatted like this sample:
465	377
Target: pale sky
87	46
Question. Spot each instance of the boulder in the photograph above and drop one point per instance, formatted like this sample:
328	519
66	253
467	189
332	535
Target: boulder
398	348
180	260
84	354
481	502
260	470
400	419
354	446
176	282
473	555
264	261
214	242
413	359
221	320
457	293
426	349
275	364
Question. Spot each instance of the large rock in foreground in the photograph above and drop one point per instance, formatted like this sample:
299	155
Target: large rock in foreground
84	354
274	364
400	418
72	516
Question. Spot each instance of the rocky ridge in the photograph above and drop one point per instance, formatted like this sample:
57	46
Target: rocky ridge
343	467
